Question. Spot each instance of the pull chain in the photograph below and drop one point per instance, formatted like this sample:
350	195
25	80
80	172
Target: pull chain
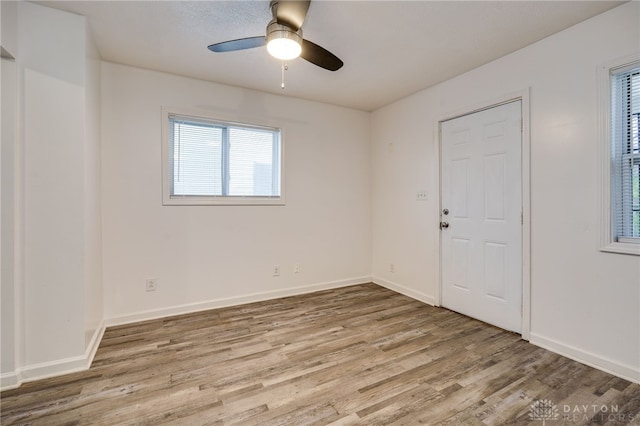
284	68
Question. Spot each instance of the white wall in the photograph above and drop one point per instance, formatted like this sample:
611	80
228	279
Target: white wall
7	258
52	69
8	27
584	303
8	115
205	256
57	278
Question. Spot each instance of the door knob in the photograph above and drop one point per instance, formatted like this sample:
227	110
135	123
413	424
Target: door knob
444	225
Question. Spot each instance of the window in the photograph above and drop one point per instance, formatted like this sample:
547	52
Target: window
625	110
214	162
622	233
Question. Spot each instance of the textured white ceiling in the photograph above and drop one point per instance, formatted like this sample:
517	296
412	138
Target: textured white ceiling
390	48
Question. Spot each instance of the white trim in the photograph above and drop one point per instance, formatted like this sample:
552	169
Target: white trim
169	200
9	381
607	365
526	213
621	248
417	295
606	243
223	201
524	97
54	368
437	241
94	343
232	301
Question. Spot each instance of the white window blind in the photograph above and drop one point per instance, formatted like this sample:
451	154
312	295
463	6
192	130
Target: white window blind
625	167
212	160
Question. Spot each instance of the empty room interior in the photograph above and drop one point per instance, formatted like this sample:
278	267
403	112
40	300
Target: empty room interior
320	212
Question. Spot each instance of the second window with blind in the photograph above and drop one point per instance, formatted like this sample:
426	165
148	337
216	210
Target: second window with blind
625	135
208	161
620	87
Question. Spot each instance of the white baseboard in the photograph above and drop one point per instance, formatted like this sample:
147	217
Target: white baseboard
48	369
422	297
9	381
626	372
29	373
232	301
94	343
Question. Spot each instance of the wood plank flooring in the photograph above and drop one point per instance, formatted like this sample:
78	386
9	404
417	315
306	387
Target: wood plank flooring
356	355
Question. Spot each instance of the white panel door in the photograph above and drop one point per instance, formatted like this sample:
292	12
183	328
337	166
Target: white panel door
481	201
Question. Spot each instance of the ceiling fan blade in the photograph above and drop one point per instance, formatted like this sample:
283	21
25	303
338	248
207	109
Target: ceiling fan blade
290	13
320	56
239	44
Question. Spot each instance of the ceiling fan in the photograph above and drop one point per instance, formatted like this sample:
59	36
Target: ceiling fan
284	37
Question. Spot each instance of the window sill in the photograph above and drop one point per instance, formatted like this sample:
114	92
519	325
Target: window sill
223	201
622	248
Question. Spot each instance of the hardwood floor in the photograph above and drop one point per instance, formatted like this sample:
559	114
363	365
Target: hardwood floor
356	355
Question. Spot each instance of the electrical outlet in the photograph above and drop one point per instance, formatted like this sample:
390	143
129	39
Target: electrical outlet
276	271
296	268
151	284
392	268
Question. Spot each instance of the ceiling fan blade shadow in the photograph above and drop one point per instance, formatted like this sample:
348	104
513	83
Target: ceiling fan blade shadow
290	13
239	44
320	56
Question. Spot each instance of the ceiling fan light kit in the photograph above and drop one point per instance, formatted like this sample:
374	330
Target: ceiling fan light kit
282	42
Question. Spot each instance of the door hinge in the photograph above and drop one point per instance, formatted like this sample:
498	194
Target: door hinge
521	218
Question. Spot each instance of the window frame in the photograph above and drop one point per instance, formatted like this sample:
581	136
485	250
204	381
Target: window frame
220	200
624	245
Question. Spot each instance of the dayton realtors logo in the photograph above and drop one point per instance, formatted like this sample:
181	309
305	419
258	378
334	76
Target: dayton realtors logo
546	411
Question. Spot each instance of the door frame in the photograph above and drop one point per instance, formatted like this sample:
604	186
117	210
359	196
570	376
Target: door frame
524	97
